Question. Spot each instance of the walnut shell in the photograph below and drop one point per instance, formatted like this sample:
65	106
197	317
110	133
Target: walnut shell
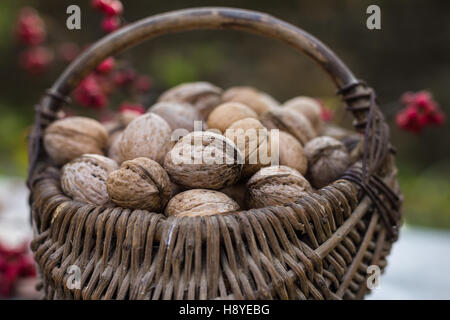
204	159
200	202
84	179
177	114
69	138
309	107
204	96
253	98
114	146
328	159
140	183
146	136
291	153
276	185
252	139
290	121
227	113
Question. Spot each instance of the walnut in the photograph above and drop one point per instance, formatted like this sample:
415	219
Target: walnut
252	139
84	179
202	95
225	114
200	202
204	159
177	114
146	136
309	107
290	121
328	159
251	97
276	185
291	153
69	138
140	183
336	132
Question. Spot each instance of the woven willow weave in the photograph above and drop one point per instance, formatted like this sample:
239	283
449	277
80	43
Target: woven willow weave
318	247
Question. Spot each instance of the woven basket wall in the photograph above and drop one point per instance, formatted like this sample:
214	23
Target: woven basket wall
319	247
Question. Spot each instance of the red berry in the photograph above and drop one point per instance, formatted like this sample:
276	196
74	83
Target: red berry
124	77
90	94
143	84
30	28
36	59
107	65
110	24
112	7
68	51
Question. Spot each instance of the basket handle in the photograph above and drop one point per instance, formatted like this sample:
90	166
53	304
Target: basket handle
360	99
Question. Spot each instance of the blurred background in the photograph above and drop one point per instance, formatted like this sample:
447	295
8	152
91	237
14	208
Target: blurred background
410	53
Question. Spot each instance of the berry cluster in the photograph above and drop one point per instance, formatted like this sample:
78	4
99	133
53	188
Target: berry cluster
14	265
419	112
112	9
30	32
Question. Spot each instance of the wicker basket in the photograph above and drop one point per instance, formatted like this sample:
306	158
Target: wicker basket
316	248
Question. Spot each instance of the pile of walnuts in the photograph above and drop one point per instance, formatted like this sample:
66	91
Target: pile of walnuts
191	154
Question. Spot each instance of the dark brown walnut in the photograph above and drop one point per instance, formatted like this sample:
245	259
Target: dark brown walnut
227	113
140	183
253	140
276	185
309	107
146	136
204	159
69	138
84	179
200	202
237	193
328	159
291	152
204	96
178	115
256	100
290	121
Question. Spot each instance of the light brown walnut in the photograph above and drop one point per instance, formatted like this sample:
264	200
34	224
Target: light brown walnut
140	183
69	138
200	202
146	136
276	185
204	159
291	153
204	96
256	100
225	114
252	139
84	179
309	107
290	121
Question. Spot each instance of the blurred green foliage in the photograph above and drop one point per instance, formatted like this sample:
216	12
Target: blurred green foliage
409	53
